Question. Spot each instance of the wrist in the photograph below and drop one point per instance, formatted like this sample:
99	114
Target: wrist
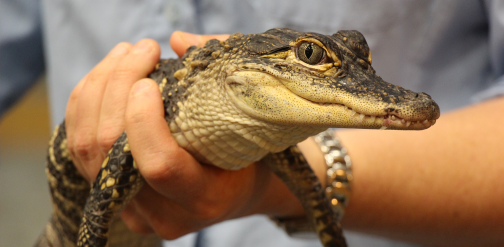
331	163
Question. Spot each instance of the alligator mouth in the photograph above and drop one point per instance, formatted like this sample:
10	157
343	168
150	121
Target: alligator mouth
387	121
390	120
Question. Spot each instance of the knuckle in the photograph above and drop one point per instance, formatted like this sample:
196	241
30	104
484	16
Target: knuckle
209	211
134	221
106	138
122	73
138	227
97	76
83	146
159	169
167	231
136	118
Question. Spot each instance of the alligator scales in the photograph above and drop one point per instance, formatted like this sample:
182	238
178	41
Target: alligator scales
231	103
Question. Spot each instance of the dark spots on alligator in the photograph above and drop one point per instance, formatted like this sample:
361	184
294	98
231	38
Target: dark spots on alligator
124	178
391	110
206	52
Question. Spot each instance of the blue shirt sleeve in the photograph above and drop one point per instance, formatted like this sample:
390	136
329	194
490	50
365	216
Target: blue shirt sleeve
495	12
21	51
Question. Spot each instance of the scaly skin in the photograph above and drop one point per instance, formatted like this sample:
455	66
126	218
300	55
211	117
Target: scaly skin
235	102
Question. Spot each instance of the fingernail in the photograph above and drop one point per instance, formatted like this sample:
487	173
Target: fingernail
143	46
140	86
120	49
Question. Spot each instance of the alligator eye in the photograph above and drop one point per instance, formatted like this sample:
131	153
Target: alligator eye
310	53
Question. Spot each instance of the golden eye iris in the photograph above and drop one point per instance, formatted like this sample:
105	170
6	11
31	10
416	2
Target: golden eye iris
310	53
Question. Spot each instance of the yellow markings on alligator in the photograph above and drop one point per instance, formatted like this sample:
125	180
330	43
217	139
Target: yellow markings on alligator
52	180
62	217
216	54
105	161
126	148
162	84
64	149
280	55
333	72
320	225
104	174
180	74
115	194
52	157
132	177
110	182
325	238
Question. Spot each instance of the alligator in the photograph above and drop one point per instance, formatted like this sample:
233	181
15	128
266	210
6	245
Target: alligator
231	103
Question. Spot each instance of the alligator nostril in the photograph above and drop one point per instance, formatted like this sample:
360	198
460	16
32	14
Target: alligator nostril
415	96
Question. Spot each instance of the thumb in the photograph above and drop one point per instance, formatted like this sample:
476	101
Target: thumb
161	161
181	41
144	110
148	134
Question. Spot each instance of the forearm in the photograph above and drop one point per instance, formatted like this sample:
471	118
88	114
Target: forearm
438	186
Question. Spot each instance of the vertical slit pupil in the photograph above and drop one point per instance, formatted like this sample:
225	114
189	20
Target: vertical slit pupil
309	50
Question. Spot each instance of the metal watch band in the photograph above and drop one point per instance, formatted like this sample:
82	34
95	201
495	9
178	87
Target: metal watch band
339	171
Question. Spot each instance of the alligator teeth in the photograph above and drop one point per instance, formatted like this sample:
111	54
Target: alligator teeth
361	116
425	121
383	128
372	118
346	107
433	121
408	123
392	117
403	121
353	113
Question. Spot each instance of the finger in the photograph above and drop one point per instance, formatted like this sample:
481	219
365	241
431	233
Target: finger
137	64
85	109
168	219
181	41
132	217
155	150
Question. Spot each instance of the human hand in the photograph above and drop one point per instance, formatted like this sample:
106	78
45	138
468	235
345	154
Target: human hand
181	195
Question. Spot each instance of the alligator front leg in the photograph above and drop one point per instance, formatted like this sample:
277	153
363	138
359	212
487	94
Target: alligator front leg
291	166
116	184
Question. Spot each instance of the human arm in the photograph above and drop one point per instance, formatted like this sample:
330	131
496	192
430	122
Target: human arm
436	187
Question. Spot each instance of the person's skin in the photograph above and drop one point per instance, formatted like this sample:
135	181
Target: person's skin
437	187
